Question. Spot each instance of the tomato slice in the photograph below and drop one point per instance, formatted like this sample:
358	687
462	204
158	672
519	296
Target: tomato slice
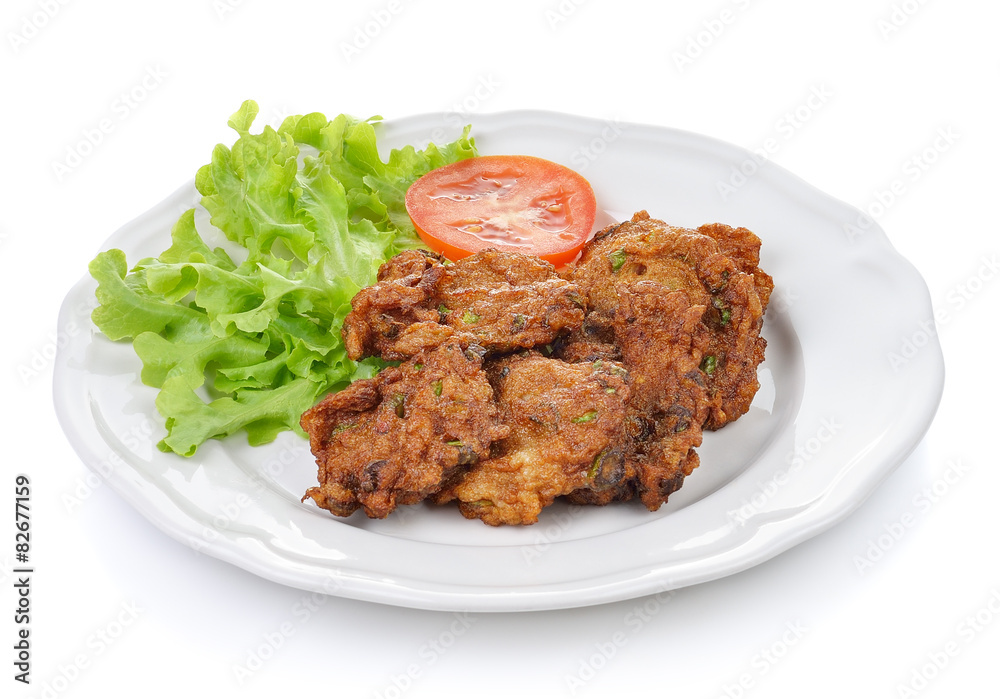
516	203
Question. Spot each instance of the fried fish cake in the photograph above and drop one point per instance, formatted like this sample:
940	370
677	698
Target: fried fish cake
696	262
397	438
508	300
562	418
504	300
663	344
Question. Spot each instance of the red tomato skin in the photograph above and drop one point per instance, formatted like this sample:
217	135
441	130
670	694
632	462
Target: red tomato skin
512	202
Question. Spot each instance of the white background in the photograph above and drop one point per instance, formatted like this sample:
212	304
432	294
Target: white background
807	623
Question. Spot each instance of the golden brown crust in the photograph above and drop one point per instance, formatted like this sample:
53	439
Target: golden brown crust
505	300
663	342
379	313
508	301
716	266
562	417
742	246
397	438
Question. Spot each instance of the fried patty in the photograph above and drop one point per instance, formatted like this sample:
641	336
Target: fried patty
397	438
562	418
504	300
716	266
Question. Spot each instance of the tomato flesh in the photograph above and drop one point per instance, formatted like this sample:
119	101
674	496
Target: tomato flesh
518	203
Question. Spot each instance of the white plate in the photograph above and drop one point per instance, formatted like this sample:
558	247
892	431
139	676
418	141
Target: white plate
850	384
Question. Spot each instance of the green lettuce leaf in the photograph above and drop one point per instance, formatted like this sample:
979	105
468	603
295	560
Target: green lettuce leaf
249	345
